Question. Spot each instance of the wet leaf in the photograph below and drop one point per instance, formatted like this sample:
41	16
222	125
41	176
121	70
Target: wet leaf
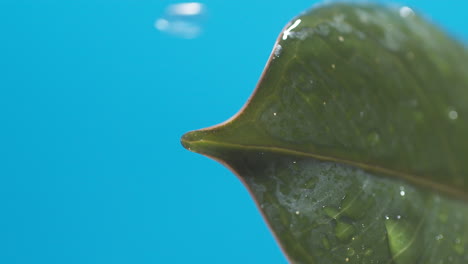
354	144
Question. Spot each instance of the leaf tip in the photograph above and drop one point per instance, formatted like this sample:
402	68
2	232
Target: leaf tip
188	139
195	141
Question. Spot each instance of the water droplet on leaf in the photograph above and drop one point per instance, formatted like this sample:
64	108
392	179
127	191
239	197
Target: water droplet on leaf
402	240
452	114
344	231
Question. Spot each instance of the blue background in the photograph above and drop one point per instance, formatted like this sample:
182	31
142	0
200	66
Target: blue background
93	101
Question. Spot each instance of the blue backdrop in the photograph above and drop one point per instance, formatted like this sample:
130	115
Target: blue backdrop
93	101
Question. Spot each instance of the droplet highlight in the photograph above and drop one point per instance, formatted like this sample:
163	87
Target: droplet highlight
287	32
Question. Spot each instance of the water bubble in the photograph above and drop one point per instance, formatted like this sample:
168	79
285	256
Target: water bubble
277	51
406	11
350	251
439	237
402	191
182	20
452	114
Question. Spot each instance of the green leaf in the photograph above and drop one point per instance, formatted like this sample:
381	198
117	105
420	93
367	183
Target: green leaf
354	144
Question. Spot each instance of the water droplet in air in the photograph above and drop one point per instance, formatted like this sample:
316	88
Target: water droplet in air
297	212
340	38
182	20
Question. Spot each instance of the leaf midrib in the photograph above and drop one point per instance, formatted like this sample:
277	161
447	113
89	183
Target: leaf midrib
201	144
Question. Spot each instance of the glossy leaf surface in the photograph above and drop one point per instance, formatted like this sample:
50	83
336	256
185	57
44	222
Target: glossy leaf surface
354	144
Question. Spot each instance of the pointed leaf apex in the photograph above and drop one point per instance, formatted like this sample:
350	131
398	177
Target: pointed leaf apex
195	141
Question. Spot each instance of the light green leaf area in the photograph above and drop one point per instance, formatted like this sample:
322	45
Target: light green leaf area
354	144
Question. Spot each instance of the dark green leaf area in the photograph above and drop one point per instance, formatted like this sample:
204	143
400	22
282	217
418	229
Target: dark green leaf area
323	212
354	144
365	86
